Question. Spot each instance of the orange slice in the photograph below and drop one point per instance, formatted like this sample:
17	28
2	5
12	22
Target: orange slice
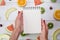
38	2
57	14
21	2
10	28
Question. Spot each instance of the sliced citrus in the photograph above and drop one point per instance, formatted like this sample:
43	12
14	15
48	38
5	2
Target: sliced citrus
10	28
21	2
57	14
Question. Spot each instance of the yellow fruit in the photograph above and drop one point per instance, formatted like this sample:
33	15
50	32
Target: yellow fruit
57	14
21	2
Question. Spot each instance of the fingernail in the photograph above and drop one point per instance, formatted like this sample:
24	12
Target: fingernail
18	12
44	21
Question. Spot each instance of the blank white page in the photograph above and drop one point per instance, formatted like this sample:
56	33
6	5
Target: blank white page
32	20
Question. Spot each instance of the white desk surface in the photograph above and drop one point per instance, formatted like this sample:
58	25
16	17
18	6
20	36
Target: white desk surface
33	37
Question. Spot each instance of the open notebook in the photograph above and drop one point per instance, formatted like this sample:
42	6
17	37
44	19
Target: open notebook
32	20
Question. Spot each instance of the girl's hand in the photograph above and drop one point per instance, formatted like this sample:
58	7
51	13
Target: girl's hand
18	27
44	33
19	21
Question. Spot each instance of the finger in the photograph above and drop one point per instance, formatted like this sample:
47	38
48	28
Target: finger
20	13
41	22
19	17
46	29
46	26
22	16
43	25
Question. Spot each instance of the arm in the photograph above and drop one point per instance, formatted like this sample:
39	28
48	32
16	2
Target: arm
18	27
15	34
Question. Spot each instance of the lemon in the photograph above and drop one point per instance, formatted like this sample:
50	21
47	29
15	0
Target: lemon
57	14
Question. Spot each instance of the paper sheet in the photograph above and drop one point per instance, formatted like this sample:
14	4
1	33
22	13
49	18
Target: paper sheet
32	20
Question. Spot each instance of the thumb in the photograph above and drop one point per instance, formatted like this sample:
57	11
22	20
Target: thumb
20	14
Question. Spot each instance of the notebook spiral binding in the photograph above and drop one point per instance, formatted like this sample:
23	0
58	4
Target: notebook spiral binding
31	7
